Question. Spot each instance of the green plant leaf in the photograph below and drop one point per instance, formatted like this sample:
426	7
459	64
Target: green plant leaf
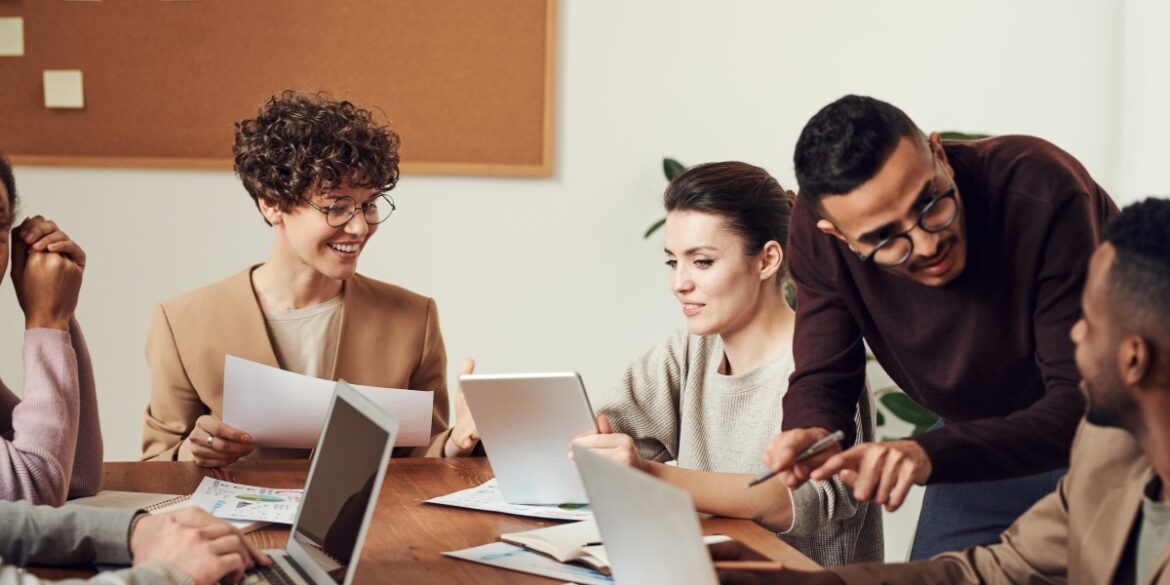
956	135
650	230
906	409
789	290
672	168
918	430
881	419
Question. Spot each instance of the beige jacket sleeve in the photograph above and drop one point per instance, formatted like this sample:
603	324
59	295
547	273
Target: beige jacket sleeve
431	374
174	405
1035	549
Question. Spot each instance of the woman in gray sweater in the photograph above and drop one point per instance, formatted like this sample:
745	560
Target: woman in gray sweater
709	397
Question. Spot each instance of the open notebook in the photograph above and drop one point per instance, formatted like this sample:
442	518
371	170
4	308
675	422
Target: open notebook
575	542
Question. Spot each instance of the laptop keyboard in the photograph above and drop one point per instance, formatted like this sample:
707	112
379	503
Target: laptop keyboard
273	574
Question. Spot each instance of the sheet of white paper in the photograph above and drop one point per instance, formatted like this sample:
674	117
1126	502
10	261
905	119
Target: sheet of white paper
64	88
285	409
487	496
236	501
517	558
11	36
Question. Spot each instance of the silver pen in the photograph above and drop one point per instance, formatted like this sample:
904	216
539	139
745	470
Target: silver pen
821	444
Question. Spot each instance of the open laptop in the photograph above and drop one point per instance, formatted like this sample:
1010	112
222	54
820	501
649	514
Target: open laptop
651	530
526	422
344	481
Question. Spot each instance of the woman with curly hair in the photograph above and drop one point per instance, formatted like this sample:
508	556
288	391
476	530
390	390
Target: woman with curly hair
320	172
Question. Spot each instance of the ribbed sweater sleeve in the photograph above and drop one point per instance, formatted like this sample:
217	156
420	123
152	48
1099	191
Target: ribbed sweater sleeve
87	459
645	403
817	503
38	446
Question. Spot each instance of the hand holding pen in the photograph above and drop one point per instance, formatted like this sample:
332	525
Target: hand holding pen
819	446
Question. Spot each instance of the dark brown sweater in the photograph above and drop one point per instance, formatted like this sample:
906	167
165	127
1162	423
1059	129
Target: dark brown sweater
990	352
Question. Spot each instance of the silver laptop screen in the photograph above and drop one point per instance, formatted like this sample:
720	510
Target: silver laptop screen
338	494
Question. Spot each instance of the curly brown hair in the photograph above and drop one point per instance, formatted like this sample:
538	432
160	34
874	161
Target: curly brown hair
301	141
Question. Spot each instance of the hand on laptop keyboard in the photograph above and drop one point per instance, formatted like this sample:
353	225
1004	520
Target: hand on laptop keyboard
196	543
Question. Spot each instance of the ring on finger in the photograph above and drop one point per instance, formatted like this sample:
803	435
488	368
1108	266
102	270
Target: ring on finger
210	440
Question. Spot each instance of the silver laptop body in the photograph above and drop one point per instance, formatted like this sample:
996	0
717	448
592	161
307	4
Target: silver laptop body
650	528
344	481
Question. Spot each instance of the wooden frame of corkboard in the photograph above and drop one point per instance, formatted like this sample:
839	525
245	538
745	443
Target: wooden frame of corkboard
468	84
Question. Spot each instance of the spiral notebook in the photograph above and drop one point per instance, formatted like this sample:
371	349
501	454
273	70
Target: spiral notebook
152	503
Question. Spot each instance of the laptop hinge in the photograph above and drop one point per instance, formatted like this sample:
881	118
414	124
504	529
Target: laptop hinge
297	566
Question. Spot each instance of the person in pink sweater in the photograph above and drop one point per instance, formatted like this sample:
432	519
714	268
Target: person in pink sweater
50	441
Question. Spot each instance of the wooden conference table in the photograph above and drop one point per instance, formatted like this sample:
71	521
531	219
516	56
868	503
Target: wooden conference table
405	542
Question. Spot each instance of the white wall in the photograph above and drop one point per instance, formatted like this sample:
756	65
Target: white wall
1145	113
548	274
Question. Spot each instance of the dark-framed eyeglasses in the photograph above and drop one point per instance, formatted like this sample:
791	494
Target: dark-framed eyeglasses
377	210
936	216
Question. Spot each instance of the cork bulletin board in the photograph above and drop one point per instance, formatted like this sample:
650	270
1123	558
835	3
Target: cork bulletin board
468	84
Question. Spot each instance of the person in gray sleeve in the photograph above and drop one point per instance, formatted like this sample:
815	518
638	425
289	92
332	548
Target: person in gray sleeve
186	547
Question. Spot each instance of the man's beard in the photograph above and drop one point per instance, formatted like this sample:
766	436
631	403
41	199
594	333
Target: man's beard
1105	413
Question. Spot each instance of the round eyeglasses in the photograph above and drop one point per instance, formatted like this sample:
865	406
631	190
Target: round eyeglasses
377	210
935	217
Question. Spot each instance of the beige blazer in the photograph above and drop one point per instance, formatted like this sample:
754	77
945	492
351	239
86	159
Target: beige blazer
389	337
1077	534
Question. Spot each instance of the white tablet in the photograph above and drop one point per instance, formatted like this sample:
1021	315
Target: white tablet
526	422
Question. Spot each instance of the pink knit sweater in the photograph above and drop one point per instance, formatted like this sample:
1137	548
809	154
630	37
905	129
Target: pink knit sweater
51	441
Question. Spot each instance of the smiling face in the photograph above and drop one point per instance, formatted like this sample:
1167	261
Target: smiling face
892	201
717	284
304	236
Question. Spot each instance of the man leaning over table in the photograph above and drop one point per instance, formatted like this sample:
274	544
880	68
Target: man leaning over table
185	547
1109	519
960	264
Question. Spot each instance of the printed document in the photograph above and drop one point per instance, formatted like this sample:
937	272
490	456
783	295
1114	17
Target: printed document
517	558
487	497
285	409
236	501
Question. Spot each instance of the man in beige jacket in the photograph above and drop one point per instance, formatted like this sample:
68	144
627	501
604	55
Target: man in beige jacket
1109	519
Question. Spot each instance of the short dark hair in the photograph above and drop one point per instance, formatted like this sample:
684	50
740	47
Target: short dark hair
750	200
846	143
9	182
1139	280
299	141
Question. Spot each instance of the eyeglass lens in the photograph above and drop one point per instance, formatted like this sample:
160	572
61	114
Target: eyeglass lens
377	210
937	216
